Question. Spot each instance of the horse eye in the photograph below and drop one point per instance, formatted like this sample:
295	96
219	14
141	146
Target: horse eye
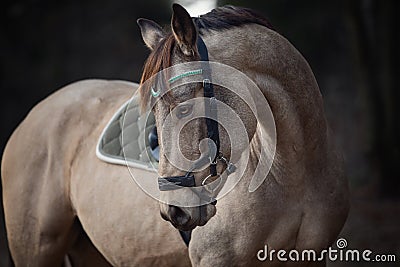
183	111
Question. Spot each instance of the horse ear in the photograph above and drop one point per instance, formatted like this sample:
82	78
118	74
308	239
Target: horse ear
184	30
152	33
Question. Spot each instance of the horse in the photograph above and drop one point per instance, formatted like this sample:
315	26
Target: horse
60	199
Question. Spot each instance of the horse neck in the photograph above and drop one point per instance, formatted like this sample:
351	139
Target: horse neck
287	82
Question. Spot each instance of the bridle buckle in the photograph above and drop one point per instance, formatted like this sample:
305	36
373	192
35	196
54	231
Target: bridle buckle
206	82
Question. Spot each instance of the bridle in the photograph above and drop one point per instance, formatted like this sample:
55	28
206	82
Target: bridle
176	182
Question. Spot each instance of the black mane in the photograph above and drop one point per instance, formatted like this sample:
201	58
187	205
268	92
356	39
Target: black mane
229	16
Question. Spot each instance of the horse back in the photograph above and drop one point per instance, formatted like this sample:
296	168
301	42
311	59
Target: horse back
51	132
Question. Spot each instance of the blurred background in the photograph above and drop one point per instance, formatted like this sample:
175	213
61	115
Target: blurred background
352	47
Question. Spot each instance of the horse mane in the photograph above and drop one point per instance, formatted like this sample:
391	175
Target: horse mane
159	59
226	17
218	19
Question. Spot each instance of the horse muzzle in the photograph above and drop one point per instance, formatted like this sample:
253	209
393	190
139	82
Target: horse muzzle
186	219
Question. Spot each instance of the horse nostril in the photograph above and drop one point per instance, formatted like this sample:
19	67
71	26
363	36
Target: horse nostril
178	216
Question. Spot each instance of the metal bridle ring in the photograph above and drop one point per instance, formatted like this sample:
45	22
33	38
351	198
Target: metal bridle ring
208	176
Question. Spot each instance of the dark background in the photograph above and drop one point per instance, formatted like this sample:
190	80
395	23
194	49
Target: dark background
352	47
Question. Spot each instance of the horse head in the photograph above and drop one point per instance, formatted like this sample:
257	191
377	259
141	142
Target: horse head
194	148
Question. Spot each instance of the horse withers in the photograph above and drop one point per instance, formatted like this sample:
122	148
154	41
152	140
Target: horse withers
57	192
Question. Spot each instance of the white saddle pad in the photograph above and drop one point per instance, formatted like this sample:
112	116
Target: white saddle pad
124	140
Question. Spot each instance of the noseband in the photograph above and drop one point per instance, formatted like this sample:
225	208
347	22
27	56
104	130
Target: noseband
188	180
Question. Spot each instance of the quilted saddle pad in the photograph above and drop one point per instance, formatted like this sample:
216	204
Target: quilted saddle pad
124	140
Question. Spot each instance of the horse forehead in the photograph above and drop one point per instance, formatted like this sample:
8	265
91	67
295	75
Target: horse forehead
180	94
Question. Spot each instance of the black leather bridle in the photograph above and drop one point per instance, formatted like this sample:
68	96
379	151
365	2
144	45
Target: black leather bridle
188	180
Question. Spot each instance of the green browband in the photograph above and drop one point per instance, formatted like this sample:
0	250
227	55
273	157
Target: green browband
155	93
185	74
